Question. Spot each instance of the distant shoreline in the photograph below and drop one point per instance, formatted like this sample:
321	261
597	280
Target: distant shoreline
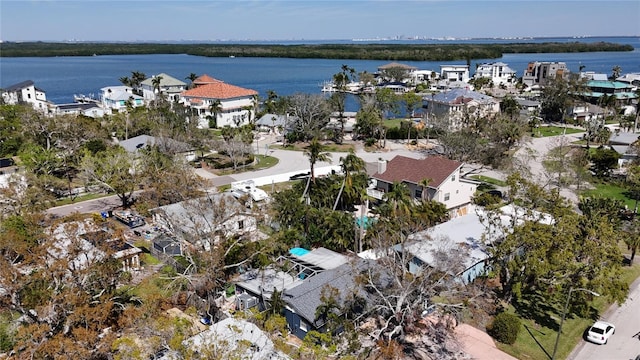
360	51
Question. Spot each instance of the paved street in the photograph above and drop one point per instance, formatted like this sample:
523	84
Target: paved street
624	344
533	153
88	206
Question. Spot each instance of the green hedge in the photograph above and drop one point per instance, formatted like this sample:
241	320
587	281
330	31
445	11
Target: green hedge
505	328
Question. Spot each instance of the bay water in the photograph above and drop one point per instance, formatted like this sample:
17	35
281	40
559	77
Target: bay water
63	77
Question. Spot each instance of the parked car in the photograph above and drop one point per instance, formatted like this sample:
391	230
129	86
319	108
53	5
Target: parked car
600	332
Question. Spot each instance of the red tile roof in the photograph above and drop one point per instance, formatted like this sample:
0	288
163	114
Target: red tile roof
219	90
402	168
205	79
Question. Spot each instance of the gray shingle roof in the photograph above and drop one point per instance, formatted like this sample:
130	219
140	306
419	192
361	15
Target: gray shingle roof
20	85
460	95
305	298
134	144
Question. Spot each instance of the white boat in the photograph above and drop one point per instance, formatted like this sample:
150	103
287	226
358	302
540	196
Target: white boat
329	87
84	98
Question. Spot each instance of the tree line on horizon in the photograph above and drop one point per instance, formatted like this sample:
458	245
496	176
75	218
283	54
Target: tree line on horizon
406	52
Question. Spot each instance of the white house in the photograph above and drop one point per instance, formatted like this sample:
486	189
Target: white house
420	76
26	93
89	109
235	104
454	73
116	98
446	184
498	72
169	87
631	79
457	103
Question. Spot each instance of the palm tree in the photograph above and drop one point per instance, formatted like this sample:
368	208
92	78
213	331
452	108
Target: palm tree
137	78
215	108
316	152
270	102
615	72
350	163
192	77
156	87
340	80
398	197
424	183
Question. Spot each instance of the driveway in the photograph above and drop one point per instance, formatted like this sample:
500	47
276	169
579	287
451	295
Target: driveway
479	344
532	154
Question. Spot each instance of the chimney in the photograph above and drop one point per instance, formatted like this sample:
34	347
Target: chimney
382	166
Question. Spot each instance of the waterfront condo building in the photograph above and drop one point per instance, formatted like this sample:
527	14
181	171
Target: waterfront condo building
539	73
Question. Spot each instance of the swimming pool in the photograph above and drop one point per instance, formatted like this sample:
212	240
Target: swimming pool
298	251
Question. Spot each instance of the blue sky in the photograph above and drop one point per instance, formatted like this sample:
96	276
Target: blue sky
158	20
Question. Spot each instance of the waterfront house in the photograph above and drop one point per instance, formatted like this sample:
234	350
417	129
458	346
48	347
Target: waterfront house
275	123
219	104
598	90
388	71
423	76
454	73
118	98
169	87
88	109
540	72
26	92
631	79
456	104
446	184
499	73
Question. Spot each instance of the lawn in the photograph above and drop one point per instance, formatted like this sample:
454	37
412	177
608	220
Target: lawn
536	341
489	180
545	131
67	201
275	187
612	191
391	123
262	162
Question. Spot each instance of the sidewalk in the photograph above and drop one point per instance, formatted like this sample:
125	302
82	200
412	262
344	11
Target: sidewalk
479	344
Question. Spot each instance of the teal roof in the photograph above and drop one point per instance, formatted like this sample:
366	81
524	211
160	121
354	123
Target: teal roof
623	95
608	84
